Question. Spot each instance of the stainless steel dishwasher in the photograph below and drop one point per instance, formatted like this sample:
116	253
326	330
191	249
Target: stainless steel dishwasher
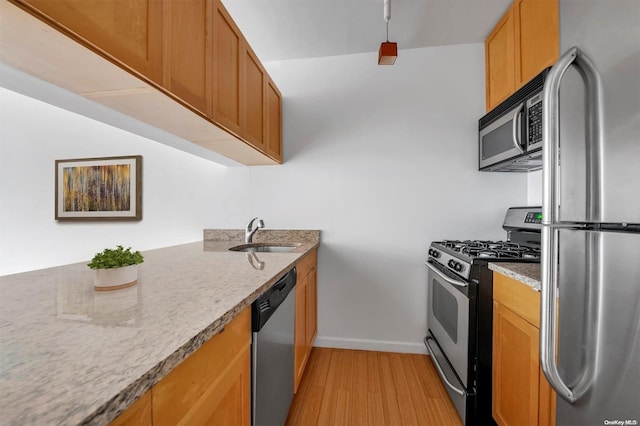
272	322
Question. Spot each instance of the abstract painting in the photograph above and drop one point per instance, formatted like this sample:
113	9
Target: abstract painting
99	188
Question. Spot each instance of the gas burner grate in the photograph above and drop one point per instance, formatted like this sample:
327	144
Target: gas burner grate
492	249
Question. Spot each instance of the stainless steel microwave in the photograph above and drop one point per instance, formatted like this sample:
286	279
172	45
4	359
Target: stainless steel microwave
510	135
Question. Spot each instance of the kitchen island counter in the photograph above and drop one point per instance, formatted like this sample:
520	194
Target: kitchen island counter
72	355
527	273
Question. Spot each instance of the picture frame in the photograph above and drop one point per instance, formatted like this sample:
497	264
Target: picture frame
97	189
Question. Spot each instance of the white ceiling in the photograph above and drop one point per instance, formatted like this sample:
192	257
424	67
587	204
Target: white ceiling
294	29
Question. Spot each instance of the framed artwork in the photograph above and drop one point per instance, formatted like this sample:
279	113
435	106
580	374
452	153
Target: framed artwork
108	188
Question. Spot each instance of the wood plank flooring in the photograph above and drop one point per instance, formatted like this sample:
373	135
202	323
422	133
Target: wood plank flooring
361	388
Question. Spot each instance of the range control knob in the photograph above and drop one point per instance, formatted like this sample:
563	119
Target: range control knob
458	266
451	263
435	253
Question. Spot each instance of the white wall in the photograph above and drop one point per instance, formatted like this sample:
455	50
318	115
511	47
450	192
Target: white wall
534	188
177	188
382	159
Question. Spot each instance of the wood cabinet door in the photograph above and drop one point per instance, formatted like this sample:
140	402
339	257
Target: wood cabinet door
226	81
215	376
300	332
252	104
537	40
129	31
547	405
273	121
187	52
231	399
312	309
515	369
499	61
138	414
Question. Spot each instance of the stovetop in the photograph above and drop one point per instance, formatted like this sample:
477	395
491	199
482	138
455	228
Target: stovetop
522	245
458	256
484	249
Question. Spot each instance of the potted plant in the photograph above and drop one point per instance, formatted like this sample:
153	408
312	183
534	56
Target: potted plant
115	268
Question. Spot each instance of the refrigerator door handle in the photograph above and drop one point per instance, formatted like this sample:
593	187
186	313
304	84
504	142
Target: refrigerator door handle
551	208
551	137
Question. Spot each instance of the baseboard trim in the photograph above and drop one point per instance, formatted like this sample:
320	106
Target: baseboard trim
370	345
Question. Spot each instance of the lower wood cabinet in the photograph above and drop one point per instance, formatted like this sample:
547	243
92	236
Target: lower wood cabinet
211	386
138	414
306	318
521	394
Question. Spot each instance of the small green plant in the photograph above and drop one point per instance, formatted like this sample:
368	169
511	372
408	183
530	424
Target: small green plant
110	258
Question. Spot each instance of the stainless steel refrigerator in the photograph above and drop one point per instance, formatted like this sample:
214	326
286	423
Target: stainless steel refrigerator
590	310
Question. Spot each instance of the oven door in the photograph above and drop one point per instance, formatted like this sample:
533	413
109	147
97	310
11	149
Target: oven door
448	317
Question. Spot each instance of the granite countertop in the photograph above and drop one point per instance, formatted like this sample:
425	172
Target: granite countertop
527	273
70	355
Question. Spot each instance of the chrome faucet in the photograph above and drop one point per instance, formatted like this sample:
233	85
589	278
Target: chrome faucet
250	230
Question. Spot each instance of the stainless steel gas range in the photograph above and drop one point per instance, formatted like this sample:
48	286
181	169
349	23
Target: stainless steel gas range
460	311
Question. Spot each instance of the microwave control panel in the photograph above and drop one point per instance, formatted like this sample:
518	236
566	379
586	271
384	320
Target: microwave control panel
534	120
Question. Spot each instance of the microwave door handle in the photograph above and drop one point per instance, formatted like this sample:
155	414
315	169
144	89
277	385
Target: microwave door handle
517	128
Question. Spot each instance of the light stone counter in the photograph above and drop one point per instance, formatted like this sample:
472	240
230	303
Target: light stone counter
70	355
527	273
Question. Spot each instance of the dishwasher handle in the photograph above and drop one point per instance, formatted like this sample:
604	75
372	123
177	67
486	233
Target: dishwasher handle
266	304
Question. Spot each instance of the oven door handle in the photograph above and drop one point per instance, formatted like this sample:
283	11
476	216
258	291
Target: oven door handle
458	283
439	368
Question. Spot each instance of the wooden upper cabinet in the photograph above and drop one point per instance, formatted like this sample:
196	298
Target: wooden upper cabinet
129	31
524	42
200	79
273	121
499	61
227	55
252	99
187	52
536	37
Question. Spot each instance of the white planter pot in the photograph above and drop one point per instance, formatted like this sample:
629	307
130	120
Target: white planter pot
115	278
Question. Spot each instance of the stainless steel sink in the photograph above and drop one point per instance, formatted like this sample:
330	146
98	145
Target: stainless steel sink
265	248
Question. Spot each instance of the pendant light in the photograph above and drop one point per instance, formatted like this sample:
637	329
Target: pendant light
388	50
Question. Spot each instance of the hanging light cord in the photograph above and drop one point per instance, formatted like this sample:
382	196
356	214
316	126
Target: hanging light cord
387	15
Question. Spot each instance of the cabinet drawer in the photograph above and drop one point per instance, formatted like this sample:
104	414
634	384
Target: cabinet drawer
517	296
305	265
175	396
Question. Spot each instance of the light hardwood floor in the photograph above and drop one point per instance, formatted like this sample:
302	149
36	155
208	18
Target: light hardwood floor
361	388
